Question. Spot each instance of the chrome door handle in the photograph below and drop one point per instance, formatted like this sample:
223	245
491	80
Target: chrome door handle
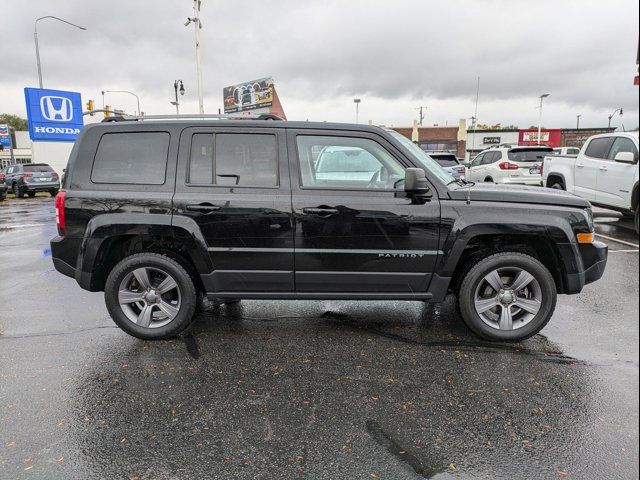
580	165
604	168
320	211
202	208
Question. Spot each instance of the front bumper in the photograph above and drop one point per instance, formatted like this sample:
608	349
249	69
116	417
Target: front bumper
593	257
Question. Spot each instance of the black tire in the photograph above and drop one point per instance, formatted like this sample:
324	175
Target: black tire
53	192
472	279
557	186
31	194
16	191
638	221
188	296
489	180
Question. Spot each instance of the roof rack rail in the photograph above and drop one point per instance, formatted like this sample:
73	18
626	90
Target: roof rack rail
196	116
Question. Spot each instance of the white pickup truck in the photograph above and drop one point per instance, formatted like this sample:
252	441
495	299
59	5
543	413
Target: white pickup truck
605	172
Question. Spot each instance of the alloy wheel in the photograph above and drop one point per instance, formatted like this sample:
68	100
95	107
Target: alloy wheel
149	297
508	298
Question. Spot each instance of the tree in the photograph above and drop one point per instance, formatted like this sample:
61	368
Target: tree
14	121
497	126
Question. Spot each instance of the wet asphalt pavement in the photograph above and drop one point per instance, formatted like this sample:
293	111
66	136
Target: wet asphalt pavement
321	390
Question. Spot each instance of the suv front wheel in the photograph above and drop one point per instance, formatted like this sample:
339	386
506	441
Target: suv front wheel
150	296
507	297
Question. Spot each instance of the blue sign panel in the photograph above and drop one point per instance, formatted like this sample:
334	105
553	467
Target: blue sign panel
53	115
5	136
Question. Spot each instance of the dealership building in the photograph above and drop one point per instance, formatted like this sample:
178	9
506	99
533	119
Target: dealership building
466	144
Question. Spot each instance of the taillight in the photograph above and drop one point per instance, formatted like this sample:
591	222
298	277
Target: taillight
61	220
54	174
508	166
26	175
1	177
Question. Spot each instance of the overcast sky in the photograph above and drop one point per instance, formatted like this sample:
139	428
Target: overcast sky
394	54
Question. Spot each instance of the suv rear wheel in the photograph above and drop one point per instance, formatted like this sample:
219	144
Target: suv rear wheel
507	297
150	296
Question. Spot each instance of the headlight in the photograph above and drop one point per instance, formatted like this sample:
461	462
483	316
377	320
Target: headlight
589	214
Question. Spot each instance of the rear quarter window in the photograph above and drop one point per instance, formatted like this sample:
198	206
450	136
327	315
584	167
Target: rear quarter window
138	158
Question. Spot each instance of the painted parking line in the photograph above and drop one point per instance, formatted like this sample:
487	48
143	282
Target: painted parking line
623	251
624	242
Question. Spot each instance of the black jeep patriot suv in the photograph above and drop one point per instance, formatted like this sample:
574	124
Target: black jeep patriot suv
156	212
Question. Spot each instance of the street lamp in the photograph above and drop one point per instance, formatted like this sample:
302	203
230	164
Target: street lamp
357	102
122	91
198	25
614	114
177	86
35	37
542	97
578	120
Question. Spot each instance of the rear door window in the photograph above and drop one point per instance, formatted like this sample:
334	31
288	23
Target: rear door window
599	147
242	159
138	158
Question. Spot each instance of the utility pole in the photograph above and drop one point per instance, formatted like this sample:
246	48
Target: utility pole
474	120
578	120
357	102
420	109
198	26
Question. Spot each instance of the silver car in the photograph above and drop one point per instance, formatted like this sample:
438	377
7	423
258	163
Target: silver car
450	163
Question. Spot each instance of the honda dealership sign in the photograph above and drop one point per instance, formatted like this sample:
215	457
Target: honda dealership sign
53	115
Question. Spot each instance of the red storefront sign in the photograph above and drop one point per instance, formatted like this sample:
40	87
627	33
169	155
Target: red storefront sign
550	137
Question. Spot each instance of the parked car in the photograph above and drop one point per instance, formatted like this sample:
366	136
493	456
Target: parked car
3	186
450	163
156	213
509	164
566	151
30	178
605	172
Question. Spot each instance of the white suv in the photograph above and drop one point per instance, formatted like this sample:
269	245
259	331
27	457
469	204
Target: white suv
509	164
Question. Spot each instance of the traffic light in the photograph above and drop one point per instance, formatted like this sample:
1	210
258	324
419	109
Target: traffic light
107	110
90	107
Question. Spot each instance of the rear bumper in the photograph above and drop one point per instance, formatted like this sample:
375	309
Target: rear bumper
535	181
62	256
593	257
39	187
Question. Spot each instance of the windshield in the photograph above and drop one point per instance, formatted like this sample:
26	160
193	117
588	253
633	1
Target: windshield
425	161
531	155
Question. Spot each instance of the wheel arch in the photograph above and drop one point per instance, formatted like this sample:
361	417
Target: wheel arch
105	244
556	176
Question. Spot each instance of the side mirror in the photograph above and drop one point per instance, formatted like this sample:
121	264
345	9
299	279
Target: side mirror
415	183
625	157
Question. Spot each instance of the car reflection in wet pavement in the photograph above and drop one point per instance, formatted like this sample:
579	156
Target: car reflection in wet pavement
322	389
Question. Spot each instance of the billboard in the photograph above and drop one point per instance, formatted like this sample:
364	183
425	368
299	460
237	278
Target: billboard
253	95
5	136
549	137
53	115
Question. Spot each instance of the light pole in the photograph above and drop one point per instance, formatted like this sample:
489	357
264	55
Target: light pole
614	114
177	86
357	102
198	25
542	97
122	91
35	37
578	121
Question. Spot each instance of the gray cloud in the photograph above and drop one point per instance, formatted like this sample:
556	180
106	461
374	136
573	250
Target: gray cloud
395	54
